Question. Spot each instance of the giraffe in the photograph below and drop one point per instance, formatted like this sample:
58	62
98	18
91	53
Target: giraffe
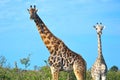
99	68
61	57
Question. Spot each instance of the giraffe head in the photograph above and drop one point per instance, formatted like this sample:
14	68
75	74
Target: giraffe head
99	27
32	12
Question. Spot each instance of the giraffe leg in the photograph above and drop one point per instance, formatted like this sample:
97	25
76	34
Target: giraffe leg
95	75
55	73
92	75
103	77
93	78
97	78
79	73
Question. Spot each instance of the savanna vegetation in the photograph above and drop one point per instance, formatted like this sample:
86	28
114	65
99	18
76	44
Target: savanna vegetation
43	73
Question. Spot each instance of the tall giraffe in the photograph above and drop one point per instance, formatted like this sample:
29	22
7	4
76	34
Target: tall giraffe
99	68
61	57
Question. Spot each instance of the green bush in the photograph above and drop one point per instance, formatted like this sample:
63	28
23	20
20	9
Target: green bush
44	73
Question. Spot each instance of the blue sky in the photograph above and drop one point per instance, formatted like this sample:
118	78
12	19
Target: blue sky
70	20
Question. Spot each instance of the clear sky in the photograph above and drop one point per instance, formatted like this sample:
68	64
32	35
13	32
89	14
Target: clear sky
70	20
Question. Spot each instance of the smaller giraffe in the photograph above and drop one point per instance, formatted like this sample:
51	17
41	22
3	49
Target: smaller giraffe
99	68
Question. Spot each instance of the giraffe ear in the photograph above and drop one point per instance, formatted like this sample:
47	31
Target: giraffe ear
94	27
28	10
104	27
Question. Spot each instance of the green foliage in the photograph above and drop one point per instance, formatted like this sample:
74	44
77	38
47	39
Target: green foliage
2	61
88	75
25	61
44	73
114	68
111	75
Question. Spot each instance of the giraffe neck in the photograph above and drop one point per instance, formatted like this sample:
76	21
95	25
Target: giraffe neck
47	37
40	25
99	46
100	55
